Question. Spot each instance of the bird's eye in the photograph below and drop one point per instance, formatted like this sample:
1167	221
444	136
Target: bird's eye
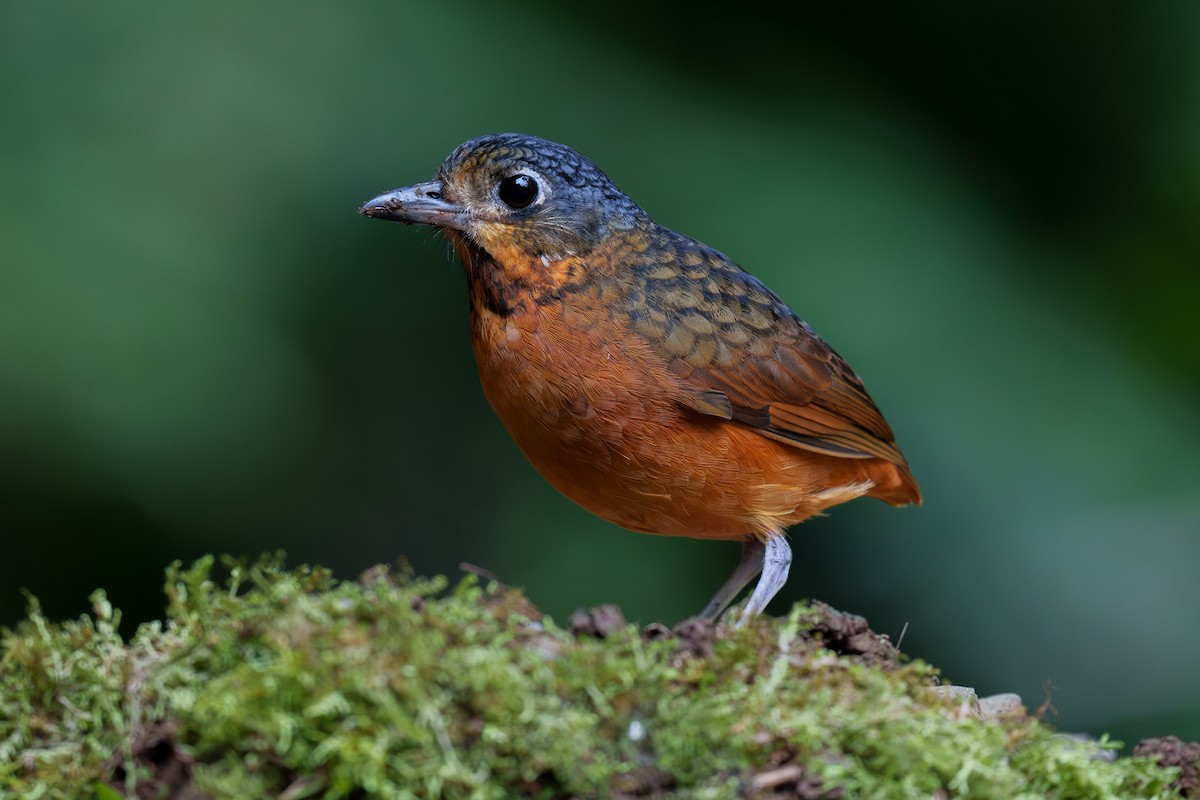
518	191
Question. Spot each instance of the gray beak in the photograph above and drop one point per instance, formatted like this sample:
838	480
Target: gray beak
421	204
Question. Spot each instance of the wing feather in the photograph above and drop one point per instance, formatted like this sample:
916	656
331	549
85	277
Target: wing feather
724	332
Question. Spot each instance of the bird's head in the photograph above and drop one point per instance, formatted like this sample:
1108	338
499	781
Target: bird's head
517	198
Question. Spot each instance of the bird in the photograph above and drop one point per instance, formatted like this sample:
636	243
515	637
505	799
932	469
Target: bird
645	375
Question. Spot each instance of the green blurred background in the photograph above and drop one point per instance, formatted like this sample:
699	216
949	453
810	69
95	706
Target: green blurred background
992	210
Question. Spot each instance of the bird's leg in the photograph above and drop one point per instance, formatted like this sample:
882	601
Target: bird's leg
776	563
750	565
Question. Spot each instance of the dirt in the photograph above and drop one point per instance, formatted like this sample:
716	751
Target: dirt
1170	751
850	635
600	622
641	783
162	768
833	630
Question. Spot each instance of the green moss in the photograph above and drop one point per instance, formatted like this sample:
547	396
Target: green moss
277	682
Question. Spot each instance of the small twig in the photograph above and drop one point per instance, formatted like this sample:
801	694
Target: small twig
486	574
789	773
298	788
1047	706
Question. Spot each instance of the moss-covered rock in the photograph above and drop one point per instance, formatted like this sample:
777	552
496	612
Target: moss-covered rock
286	683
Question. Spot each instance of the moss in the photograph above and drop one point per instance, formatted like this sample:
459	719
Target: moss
277	682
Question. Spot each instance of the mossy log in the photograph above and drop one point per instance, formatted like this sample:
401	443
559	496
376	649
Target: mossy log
275	682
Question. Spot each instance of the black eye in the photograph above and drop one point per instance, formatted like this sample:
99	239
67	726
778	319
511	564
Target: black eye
518	191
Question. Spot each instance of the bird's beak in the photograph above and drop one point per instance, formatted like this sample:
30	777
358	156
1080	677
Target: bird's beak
421	204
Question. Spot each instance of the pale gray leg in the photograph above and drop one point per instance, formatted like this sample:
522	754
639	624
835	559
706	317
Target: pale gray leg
743	573
776	563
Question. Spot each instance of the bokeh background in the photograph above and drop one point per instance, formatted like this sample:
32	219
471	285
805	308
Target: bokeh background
992	210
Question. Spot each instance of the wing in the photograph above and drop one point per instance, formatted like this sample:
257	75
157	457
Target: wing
725	333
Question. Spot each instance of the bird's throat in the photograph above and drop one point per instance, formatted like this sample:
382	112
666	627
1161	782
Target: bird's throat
490	289
505	282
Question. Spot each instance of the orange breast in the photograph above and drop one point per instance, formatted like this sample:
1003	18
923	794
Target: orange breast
598	413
